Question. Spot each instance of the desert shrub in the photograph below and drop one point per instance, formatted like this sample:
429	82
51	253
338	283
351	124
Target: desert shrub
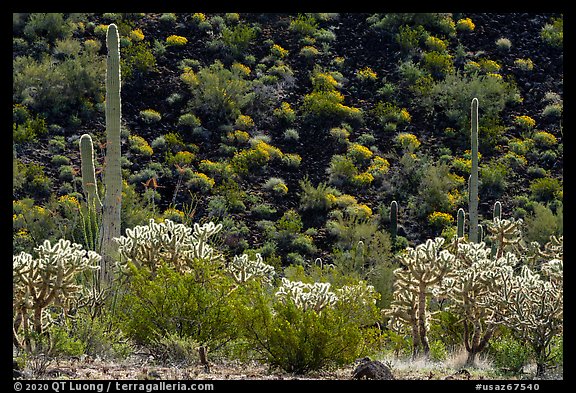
524	64
553	33
509	354
176	40
137	59
542	223
140	146
237	39
217	92
300	334
438	64
150	115
196	305
465	24
545	189
51	26
316	198
493	179
303	25
503	43
276	185
407	142
544	139
452	95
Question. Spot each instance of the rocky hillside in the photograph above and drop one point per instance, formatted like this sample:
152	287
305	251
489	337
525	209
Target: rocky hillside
295	131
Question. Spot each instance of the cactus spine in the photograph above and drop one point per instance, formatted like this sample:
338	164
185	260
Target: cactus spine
473	209
112	175
394	219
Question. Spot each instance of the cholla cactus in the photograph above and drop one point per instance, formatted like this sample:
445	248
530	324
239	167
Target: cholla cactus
169	242
314	296
425	267
50	279
532	306
242	269
506	234
474	277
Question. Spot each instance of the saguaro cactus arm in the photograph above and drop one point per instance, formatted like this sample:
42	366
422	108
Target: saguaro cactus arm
88	172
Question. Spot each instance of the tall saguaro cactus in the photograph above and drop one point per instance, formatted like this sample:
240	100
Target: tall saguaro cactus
473	186
112	175
394	219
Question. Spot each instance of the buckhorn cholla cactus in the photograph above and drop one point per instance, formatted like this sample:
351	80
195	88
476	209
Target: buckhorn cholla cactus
473	278
170	242
473	186
532	306
50	279
426	266
243	269
314	296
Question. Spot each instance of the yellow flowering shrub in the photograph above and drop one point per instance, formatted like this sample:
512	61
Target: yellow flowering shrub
176	40
238	137
240	69
524	122
363	179
136	35
465	24
440	220
379	167
489	66
359	153
200	182
435	44
544	139
244	122
279	52
407	141
366	73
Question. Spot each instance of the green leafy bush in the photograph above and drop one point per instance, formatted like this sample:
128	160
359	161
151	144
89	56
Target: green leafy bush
319	328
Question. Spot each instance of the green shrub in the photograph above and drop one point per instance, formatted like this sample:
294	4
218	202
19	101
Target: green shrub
545	189
509	354
300	336
196	305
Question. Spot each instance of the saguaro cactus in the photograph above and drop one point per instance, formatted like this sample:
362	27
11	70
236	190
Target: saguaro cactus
460	222
473	186
394	219
112	176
